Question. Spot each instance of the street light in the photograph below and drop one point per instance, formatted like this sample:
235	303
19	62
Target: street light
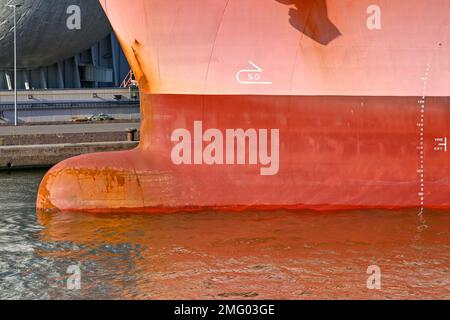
15	6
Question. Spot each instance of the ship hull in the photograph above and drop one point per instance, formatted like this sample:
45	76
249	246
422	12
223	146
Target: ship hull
240	118
334	153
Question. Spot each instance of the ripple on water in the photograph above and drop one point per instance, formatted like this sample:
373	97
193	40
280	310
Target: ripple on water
217	255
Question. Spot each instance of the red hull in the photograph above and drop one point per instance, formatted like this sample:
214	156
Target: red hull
356	116
335	153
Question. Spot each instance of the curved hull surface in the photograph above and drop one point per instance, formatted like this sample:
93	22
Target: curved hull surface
251	104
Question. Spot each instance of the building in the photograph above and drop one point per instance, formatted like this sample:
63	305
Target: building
61	44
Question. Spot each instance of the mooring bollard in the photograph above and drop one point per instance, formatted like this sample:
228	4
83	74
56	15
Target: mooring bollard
131	132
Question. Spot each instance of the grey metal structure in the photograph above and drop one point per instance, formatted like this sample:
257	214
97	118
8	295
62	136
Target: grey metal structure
54	55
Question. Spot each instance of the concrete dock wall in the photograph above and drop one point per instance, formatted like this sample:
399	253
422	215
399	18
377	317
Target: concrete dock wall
32	156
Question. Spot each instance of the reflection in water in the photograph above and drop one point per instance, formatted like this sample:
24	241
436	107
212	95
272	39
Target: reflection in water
311	18
216	254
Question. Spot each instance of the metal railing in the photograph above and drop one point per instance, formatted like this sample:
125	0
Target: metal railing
69	105
129	80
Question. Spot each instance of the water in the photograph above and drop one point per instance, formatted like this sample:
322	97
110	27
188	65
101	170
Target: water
217	255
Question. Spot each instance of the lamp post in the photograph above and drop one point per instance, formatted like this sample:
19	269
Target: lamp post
15	6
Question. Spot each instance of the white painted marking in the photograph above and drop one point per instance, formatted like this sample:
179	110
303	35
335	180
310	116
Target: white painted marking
253	75
421	170
441	144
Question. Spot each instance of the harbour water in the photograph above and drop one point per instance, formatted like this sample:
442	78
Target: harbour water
217	255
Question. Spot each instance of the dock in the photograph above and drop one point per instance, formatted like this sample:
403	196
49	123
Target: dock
53	106
35	146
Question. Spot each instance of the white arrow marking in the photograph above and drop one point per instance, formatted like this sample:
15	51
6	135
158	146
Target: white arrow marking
256	73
